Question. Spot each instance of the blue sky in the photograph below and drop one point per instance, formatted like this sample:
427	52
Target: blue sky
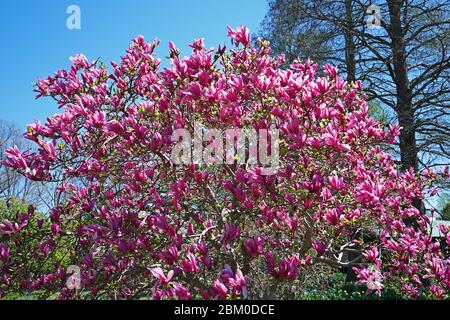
36	41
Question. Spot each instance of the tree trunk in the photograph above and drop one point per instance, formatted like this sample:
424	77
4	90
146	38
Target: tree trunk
349	42
404	107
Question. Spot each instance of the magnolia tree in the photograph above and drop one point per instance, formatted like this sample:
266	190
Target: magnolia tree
131	222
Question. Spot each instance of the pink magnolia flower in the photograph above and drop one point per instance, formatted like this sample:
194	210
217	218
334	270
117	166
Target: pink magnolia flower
320	247
316	183
4	253
254	246
16	159
190	264
330	71
240	35
331	139
332	217
159	274
171	255
368	192
221	289
80	61
55	229
336	182
115	126
238	284
372	256
288	267
182	292
372	278
174	52
230	233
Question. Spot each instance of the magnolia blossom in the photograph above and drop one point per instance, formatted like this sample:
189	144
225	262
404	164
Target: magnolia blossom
150	227
372	278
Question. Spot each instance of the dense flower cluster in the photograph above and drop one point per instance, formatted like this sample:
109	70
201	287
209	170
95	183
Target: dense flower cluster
138	225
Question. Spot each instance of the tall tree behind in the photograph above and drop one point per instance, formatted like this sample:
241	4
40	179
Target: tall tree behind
292	31
404	62
14	186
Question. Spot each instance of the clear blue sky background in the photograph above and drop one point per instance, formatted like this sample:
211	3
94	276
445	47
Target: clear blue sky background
36	42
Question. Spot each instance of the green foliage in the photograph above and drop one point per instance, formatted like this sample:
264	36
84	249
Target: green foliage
8	209
22	244
377	112
445	213
335	287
